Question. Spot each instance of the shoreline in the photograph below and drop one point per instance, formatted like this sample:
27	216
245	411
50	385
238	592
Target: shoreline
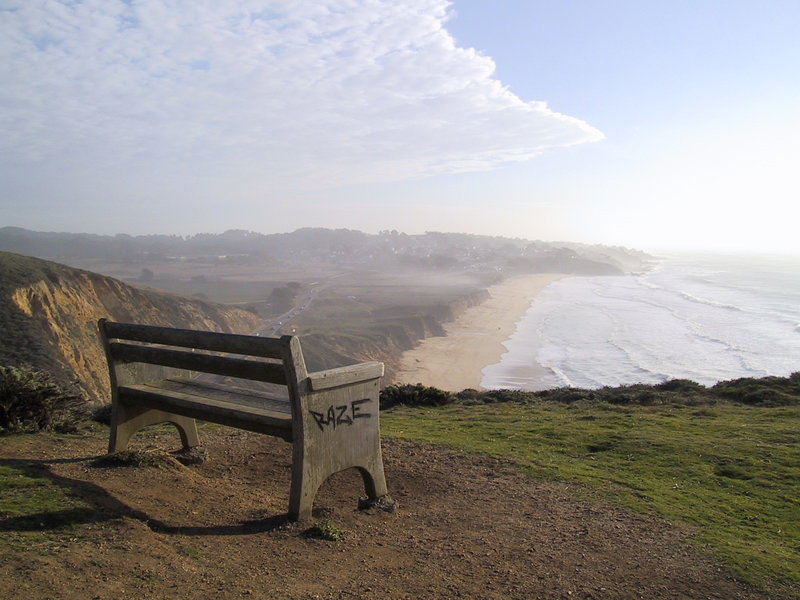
474	340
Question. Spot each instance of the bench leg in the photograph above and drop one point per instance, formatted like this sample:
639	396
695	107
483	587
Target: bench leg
127	420
374	478
305	483
309	474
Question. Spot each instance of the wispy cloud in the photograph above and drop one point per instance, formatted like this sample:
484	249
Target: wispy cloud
320	91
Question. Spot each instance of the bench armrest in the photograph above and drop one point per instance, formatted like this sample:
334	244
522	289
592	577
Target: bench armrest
323	380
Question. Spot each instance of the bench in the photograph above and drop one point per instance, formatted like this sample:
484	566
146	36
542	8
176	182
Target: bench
331	417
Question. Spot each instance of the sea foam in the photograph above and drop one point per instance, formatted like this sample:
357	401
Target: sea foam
700	317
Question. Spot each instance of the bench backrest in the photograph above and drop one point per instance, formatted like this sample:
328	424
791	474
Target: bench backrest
271	360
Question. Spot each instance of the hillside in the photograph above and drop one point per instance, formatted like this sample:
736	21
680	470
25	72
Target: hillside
332	247
48	316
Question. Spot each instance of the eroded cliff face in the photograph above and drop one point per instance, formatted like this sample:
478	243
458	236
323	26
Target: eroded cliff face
50	313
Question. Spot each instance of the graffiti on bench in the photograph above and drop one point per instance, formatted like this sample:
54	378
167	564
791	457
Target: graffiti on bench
345	414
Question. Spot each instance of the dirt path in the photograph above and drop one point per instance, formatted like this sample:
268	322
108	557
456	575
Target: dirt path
466	527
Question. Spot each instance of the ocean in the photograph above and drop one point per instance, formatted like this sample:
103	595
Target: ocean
706	318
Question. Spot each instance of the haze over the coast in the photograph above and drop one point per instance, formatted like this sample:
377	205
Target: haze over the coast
637	123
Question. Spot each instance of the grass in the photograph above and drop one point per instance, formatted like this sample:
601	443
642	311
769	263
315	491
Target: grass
325	530
732	471
34	509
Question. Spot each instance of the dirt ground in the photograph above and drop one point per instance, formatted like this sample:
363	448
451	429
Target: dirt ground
465	527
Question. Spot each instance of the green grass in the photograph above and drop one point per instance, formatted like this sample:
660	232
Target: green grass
325	530
35	509
732	471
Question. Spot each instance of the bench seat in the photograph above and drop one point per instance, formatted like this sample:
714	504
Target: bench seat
243	408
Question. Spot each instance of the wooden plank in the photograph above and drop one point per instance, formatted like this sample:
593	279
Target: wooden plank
197	361
260	399
214	410
188	338
323	380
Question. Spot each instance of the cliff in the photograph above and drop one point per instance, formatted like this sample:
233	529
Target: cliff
48	316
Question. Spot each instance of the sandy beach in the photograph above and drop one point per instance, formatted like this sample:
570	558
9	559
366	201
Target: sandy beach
474	339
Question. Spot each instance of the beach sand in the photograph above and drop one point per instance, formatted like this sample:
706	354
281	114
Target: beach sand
474	340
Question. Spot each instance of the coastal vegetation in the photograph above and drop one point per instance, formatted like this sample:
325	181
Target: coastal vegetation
30	400
723	460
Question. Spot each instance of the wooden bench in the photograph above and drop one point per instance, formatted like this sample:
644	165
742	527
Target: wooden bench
160	374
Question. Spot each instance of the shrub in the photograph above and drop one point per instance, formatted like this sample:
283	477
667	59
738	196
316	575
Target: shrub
568	395
102	414
680	385
505	395
414	395
765	391
470	397
31	401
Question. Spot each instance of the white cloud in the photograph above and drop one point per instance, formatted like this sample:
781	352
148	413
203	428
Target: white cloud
318	92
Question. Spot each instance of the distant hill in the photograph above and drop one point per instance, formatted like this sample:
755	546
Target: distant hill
48	316
341	247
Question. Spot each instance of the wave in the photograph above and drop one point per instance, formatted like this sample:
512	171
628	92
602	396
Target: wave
560	376
684	320
708	302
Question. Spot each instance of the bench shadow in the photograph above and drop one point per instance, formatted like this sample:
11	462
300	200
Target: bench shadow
103	506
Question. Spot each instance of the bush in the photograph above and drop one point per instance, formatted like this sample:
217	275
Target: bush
414	395
686	386
567	395
764	391
101	413
31	401
495	396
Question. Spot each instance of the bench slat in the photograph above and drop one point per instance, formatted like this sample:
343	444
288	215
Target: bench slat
204	340
277	402
195	361
212	409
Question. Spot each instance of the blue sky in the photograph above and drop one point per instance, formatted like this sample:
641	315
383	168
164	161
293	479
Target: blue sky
648	124
698	102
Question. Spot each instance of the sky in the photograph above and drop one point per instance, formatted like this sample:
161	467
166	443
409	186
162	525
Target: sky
651	124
